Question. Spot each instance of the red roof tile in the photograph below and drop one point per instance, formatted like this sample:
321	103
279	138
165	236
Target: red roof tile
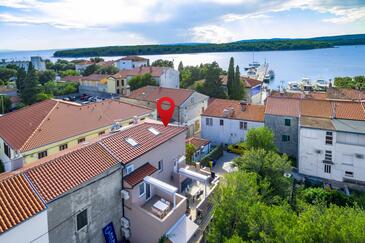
154	71
146	140
152	93
282	106
94	77
51	121
252	113
137	176
18	202
71	79
249	82
55	177
134	58
316	108
349	110
197	142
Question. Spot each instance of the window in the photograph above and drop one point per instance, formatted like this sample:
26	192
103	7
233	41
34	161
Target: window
129	169
209	121
243	125
154	131
160	165
287	122
327	168
141	189
328	155
7	150
349	173
117	83
81	219
285	138
42	154
329	138
221	122
63	146
81	140
101	133
131	141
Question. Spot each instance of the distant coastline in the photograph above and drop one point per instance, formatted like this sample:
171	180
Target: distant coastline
238	46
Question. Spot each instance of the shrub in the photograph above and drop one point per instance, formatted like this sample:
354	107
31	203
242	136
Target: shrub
238	148
320	195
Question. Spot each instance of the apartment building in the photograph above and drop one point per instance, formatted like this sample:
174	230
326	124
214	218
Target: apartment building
189	104
282	117
50	126
228	121
106	189
94	84
332	140
131	62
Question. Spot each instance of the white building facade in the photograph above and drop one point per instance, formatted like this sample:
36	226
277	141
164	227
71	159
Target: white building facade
128	63
336	153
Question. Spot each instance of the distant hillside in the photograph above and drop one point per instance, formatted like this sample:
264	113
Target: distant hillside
244	45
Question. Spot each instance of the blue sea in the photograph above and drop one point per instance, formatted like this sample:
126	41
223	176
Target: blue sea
287	65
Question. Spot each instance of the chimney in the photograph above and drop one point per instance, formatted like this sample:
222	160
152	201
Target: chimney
243	105
135	120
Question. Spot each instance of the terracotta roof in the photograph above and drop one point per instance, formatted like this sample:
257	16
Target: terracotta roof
137	176
54	177
349	110
282	106
316	108
146	140
18	202
53	120
106	63
352	94
315	122
71	78
154	71
249	82
152	93
197	142
94	77
252	113
83	62
134	58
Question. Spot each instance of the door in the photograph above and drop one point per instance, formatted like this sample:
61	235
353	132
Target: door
148	191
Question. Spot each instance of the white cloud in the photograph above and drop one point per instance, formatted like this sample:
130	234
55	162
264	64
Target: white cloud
83	13
211	33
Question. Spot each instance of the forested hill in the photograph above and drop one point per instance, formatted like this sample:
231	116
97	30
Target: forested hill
250	45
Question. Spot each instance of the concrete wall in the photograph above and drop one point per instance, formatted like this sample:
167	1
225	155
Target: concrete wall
100	196
32	230
229	133
129	64
277	125
345	156
170	79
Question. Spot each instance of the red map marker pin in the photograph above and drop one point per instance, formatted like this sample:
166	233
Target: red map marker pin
165	115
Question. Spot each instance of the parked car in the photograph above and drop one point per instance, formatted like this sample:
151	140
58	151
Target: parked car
72	98
84	97
66	99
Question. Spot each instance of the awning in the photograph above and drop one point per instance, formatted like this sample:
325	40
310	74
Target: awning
182	231
193	175
160	184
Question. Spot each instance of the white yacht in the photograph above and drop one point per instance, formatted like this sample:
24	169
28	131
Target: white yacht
321	85
306	84
295	86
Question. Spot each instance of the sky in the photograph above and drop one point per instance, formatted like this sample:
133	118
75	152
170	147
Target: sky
60	24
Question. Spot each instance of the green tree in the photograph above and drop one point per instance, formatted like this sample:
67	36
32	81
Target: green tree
61	65
108	70
190	150
163	63
141	80
237	90
5	104
31	86
270	168
96	59
44	96
47	75
261	137
181	66
93	68
230	78
7	73
69	72
213	84
20	79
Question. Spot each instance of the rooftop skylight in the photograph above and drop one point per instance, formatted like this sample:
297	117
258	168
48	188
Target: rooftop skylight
131	141
154	131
